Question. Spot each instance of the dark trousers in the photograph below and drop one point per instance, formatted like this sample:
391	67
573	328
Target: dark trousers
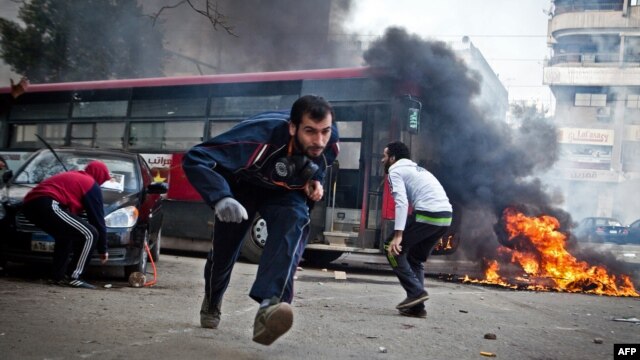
418	240
287	216
71	233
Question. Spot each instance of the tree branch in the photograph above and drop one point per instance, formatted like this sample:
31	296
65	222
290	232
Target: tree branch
211	12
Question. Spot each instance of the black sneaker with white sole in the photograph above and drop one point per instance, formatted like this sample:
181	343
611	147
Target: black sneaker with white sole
77	283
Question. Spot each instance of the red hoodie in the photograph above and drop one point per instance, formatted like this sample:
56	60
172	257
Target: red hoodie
70	188
78	191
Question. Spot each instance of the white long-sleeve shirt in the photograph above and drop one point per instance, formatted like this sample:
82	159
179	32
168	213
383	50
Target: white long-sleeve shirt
413	184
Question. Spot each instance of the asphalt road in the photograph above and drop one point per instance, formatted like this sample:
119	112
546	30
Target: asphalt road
334	319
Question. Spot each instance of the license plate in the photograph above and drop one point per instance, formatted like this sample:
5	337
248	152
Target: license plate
42	243
613	231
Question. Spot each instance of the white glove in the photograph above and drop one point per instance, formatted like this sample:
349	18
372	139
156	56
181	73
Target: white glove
230	210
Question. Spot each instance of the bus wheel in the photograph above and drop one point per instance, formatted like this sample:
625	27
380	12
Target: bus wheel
320	257
255	240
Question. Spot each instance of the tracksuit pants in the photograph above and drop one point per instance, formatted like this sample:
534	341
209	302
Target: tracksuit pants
287	216
418	240
71	233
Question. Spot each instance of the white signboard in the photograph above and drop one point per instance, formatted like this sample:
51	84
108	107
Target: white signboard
585	136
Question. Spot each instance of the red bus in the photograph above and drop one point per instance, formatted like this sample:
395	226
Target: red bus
161	118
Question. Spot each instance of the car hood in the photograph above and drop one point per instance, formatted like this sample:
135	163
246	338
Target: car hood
113	200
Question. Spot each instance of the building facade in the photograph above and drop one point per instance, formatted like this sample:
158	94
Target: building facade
594	74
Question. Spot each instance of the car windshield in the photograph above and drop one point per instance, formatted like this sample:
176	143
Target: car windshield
44	165
608	222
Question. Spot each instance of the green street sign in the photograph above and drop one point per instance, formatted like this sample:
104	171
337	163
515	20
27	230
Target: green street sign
414	120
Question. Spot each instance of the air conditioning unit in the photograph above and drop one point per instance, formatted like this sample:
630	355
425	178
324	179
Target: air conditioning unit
603	112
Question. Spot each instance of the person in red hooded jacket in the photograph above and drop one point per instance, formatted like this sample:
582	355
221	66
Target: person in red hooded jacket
54	206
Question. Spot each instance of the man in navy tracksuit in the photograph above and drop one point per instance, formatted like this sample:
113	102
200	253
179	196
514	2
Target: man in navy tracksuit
414	235
54	206
273	163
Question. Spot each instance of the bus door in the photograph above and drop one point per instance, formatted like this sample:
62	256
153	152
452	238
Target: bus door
354	192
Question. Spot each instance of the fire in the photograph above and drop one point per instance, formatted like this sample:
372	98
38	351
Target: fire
444	244
538	248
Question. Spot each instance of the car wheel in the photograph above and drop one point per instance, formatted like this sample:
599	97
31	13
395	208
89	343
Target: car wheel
155	252
254	241
141	265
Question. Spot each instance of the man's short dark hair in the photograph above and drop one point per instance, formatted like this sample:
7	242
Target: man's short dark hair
315	106
398	150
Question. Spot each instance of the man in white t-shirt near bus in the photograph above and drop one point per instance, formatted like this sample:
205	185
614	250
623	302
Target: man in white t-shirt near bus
417	233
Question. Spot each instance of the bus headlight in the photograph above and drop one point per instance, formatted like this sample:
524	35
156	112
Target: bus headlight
122	218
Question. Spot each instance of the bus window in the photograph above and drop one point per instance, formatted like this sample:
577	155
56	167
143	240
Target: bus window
82	134
89	109
349	156
245	106
24	135
168	107
175	135
218	127
54	134
110	135
351	129
347	188
105	135
40	111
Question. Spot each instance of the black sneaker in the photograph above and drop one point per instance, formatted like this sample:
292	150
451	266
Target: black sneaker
77	283
412	301
422	313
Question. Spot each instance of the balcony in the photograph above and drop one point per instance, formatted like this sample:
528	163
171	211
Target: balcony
593	22
562	7
595	60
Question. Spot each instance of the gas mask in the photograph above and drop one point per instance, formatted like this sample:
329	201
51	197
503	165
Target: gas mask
294	167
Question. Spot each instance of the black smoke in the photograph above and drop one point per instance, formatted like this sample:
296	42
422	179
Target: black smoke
484	165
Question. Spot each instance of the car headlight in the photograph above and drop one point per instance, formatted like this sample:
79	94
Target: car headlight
124	217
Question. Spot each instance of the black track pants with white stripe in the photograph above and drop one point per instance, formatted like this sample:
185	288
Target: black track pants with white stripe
72	234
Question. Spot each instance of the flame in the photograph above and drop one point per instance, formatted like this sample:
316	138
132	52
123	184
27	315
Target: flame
444	244
538	248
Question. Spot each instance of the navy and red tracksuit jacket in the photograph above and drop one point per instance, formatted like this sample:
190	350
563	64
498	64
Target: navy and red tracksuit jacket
76	191
248	152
